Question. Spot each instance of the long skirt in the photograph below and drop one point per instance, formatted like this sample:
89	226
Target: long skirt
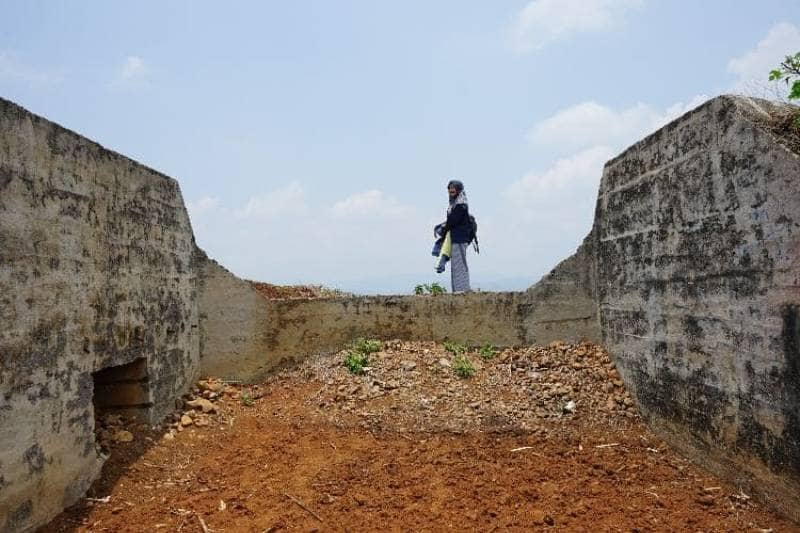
459	271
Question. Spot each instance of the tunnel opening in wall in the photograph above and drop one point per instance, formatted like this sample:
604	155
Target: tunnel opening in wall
123	390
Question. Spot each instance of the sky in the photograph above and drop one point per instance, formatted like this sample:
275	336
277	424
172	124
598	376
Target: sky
313	139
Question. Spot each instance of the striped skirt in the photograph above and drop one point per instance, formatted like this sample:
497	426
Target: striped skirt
459	271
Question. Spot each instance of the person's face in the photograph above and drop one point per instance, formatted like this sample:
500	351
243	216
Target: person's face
452	192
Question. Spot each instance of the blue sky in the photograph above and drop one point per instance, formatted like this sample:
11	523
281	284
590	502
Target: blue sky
313	139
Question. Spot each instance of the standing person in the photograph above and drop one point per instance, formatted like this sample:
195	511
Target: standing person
460	229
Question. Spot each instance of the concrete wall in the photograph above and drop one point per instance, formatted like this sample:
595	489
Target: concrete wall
697	236
96	270
244	335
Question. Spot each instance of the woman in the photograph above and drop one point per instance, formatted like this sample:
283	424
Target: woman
459	227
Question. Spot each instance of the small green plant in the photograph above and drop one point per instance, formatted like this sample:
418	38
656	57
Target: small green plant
487	351
367	346
355	362
463	367
433	289
789	71
455	348
246	399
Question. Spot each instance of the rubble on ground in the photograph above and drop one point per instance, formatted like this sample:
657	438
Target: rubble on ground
412	386
294	292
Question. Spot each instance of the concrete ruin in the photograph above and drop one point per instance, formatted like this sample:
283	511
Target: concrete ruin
697	239
97	307
690	277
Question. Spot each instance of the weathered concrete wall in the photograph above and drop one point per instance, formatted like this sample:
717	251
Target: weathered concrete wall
698	264
244	335
96	270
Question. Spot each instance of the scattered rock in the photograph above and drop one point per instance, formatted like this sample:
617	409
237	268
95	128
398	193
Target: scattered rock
203	404
122	436
186	420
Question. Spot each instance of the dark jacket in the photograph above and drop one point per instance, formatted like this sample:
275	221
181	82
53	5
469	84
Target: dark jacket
458	224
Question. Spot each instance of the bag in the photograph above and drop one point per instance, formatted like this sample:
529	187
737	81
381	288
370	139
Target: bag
473	233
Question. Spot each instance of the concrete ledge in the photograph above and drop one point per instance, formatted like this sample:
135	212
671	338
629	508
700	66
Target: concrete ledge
243	335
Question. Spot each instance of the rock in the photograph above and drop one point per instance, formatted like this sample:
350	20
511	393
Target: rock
538	517
201	421
443	362
203	404
186	420
112	420
169	436
408	365
570	407
122	436
707	500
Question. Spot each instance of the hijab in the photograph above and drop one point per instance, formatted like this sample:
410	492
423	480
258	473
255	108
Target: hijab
461	197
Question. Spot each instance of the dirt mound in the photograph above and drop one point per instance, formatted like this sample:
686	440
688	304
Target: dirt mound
538	438
294	292
415	387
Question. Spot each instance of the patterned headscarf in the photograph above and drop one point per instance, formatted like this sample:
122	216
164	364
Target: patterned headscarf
461	197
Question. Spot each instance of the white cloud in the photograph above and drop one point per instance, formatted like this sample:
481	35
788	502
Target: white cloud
753	67
580	171
285	201
13	68
369	203
542	22
202	206
781	40
134	71
281	236
593	124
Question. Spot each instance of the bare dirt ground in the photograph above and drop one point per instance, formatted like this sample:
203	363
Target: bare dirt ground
540	438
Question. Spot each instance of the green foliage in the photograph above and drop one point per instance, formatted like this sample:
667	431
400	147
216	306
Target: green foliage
455	348
487	351
355	362
789	71
358	357
433	289
246	399
367	346
463	367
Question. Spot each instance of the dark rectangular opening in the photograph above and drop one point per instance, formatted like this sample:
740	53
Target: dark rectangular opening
123	389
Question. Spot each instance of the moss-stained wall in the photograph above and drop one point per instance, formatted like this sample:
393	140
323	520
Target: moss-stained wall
96	270
697	236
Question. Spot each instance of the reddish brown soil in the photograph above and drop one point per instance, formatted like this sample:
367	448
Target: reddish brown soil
292	292
286	461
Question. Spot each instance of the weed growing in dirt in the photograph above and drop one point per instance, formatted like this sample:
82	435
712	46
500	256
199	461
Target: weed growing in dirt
246	399
355	362
366	346
487	351
463	367
455	348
